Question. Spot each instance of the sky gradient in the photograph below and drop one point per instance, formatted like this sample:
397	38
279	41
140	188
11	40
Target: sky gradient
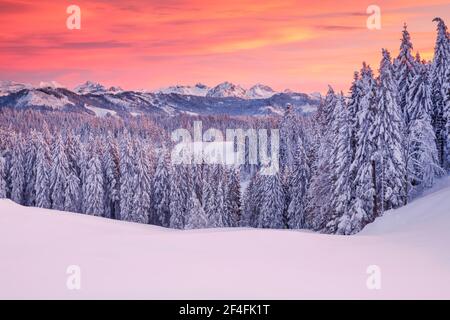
301	45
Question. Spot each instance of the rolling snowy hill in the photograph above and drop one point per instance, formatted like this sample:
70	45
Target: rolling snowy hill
126	260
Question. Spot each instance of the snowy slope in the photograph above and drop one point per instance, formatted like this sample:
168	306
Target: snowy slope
226	90
260	91
125	260
7	87
198	90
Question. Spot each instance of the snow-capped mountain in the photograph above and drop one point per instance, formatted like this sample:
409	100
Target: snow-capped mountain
226	90
7	87
198	90
90	87
222	90
51	84
94	98
115	89
260	91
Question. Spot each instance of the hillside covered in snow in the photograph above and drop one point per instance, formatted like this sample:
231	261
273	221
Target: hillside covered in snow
126	260
96	99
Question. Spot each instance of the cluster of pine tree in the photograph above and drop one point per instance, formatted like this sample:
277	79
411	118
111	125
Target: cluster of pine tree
118	176
365	153
360	155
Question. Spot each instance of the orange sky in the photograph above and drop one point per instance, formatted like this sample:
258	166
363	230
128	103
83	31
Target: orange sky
301	45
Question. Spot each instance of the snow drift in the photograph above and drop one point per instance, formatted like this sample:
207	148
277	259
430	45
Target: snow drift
126	260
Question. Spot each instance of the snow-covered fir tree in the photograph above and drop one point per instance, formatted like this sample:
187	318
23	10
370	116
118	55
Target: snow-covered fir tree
218	216
388	134
111	178
161	192
233	197
196	217
289	133
320	190
142	187
342	158
72	193
422	162
446	93
43	165
298	184
353	105
272	202
404	73
181	186
30	169
126	178
94	195
363	207
209	189
2	177
17	170
439	68
58	174
250	204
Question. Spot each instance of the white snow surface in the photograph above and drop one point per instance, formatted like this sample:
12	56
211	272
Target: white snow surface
101	112
39	98
126	260
7	87
198	90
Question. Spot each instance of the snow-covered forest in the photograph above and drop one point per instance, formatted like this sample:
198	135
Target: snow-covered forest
363	152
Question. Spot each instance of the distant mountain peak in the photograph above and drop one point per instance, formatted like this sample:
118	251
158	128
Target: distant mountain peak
50	84
198	90
260	91
7	87
90	87
227	89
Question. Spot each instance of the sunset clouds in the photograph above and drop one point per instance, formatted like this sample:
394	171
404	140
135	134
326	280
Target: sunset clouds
302	45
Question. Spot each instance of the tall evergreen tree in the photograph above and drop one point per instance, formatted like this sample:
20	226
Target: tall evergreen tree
388	134
161	192
43	164
404	73
181	187
126	178
2	177
30	169
446	94
342	158
272	202
17	171
58	174
319	193
196	217
297	188
111	178
94	195
72	193
363	207
233	197
142	187
439	68
289	132
422	159
353	106
250	205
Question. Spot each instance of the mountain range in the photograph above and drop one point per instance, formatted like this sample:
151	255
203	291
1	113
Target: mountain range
97	99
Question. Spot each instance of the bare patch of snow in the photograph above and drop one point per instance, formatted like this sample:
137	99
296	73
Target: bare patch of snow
128	260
